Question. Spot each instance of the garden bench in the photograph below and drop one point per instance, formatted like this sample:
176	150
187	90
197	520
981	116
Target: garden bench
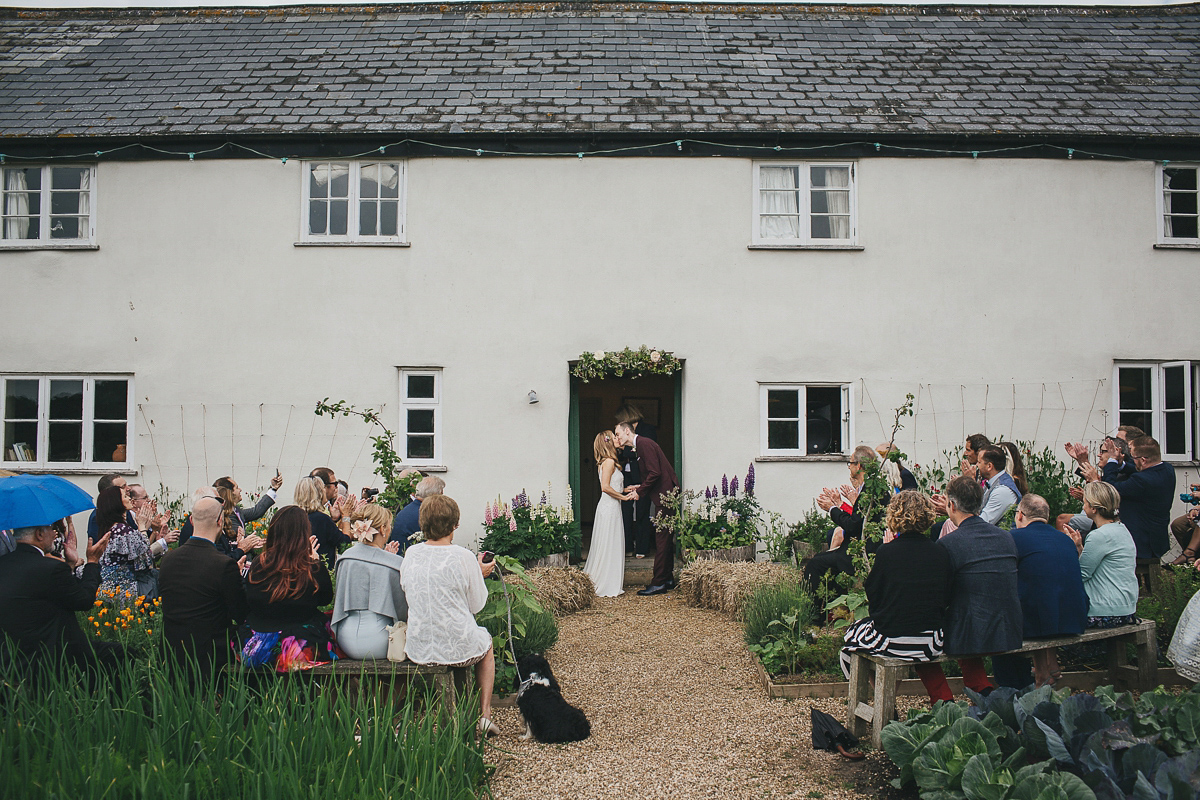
449	681
862	713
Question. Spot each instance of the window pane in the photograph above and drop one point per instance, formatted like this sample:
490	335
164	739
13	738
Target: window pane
112	399
783	435
318	216
21	399
1184	178
20	441
1138	419
420	386
368	181
1182	203
338	217
1175	435
64	202
64	228
109	442
66	399
22	204
389	180
420	420
318	181
1182	227
366	218
783	404
339	186
821	228
838	177
1173	378
420	447
68	178
1133	390
824	407
66	441
777	227
389	217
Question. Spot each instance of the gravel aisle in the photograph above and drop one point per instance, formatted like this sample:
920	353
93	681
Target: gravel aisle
676	712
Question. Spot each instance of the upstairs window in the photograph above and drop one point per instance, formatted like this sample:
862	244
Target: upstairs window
1178	213
804	419
67	421
353	201
805	204
47	205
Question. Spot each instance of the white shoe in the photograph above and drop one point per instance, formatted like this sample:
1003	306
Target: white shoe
487	727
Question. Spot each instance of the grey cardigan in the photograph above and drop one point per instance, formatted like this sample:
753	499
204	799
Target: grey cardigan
368	579
985	606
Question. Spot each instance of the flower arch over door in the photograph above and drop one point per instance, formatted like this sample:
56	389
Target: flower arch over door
627	363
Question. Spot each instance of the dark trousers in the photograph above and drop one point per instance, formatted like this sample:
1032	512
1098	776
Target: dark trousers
831	562
639	530
664	557
1012	670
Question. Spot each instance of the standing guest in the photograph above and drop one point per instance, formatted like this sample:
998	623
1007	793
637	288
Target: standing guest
202	595
908	590
1000	491
898	476
443	584
127	567
332	504
1108	561
842	505
985	606
1145	497
245	516
39	597
285	589
112	479
369	597
312	495
1053	601
1014	465
233	541
658	478
408	521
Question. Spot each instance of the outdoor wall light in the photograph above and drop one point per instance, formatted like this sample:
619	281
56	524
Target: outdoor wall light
533	398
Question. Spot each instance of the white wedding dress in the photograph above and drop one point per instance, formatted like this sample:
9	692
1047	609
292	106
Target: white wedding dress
606	558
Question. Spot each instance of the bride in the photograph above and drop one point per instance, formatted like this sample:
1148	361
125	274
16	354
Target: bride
606	557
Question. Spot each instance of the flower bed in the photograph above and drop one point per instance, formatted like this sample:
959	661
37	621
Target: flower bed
527	532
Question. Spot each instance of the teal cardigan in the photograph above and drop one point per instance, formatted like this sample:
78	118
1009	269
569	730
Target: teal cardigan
1107	562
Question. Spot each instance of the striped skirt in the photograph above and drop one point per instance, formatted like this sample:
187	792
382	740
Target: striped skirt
861	637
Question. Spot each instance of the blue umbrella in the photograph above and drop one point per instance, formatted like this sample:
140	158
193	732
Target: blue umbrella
27	500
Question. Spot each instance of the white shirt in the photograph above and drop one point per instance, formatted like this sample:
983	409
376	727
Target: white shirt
998	500
445	590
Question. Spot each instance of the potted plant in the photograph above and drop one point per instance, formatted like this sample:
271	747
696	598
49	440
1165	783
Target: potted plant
535	535
718	524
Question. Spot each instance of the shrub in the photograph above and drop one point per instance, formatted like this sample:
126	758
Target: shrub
770	601
1176	588
813	528
533	627
528	532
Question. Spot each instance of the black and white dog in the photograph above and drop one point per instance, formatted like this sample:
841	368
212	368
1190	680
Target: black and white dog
548	717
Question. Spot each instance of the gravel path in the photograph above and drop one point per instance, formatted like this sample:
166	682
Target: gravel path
676	712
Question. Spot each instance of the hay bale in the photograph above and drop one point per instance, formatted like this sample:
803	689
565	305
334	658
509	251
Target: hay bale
560	590
724	585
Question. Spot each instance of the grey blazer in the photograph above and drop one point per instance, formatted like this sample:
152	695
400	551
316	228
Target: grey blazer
985	606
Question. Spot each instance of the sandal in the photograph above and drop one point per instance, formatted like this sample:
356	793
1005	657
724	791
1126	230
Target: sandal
1186	557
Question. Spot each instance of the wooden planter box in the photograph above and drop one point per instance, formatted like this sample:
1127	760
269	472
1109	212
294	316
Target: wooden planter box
556	560
803	551
746	553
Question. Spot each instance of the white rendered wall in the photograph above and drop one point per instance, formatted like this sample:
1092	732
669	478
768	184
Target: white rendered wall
978	274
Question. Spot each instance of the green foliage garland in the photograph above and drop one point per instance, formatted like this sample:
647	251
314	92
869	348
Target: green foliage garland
619	363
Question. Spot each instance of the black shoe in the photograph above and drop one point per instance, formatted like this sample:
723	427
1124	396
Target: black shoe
652	590
670	584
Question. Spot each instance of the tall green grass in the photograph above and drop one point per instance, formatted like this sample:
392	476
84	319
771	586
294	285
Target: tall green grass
147	732
771	601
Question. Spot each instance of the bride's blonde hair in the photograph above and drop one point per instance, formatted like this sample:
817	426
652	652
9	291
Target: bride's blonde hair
605	446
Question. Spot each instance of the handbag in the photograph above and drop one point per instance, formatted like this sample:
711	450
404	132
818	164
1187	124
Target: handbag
397	634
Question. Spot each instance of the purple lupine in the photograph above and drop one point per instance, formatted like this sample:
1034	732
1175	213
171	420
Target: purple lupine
707	493
750	480
542	502
724	486
733	487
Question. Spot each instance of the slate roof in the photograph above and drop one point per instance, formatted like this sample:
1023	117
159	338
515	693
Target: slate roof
602	68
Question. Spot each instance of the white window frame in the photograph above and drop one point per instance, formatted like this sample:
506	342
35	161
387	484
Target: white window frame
87	462
352	236
44	240
804	208
1158	394
420	404
1161	206
801	451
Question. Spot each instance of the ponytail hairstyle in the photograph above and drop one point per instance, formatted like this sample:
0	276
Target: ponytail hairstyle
1014	466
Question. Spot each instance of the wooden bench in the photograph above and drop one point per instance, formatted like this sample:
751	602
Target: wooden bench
449	681
865	712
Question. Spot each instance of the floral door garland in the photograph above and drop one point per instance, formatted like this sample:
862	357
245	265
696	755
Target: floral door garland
627	362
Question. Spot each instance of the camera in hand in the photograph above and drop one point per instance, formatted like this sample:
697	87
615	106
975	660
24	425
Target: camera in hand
1192	496
368	493
488	556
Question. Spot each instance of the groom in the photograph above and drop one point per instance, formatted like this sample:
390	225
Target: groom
658	478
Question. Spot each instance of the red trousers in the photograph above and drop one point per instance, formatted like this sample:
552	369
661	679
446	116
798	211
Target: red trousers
974	678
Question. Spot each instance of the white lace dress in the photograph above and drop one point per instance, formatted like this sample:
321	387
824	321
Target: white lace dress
606	557
444	588
1184	651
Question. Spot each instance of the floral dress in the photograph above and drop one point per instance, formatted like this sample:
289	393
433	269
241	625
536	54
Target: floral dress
127	554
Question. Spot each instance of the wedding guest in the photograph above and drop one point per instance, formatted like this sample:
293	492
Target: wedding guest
329	480
898	476
1145	497
1108	561
312	495
443	584
842	505
985	607
1015	465
112	479
1187	533
973	445
1000	491
408	521
369	597
150	522
1053	600
1184	650
285	589
127	568
233	540
202	595
908	590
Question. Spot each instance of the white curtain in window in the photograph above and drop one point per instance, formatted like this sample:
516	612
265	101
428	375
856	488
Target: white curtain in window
16	203
322	174
774	201
85	201
835	181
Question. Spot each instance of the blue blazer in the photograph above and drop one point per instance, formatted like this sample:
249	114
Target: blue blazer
1146	499
1053	601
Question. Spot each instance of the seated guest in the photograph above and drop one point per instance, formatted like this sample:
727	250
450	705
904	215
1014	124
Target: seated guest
985	607
1053	602
842	507
907	592
1187	533
1184	651
127	567
149	521
1000	491
39	597
897	474
201	590
369	598
443	584
285	589
1108	560
310	495
408	519
974	444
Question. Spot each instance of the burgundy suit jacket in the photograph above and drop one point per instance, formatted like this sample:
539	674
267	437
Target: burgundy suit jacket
658	476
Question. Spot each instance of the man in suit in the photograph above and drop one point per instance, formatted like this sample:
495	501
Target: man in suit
658	478
39	596
1146	496
639	531
201	591
408	519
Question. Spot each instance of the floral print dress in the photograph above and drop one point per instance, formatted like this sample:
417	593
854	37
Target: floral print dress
127	554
